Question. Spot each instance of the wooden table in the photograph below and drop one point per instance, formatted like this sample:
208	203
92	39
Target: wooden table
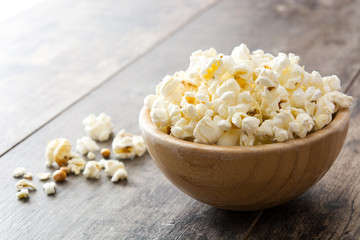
62	60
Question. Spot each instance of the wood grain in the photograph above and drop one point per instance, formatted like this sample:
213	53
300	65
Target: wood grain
245	178
148	206
57	52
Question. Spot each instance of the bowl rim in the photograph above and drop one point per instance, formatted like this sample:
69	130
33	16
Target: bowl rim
340	120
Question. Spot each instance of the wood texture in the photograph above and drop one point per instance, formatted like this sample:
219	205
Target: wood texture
325	35
57	52
246	178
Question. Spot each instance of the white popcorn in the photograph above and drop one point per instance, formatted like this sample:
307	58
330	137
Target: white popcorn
91	155
228	139
126	145
102	163
98	128
21	184
58	150
28	176
49	188
43	176
18	172
244	99
116	170
92	170
23	193
120	174
76	165
85	145
207	131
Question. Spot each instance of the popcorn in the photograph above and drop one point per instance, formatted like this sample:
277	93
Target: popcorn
102	163
91	155
49	188
18	172
116	170
85	145
244	99
21	184
58	150
76	165
98	128
28	176
23	193
92	170
43	176
126	145
120	174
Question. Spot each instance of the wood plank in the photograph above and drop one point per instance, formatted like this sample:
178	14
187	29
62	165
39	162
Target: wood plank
55	53
148	206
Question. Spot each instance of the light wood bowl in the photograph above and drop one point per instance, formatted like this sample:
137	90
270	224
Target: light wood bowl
246	178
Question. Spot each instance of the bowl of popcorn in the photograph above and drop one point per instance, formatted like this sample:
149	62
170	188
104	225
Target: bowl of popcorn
245	131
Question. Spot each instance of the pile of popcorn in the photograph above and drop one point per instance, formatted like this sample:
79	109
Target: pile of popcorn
124	145
244	99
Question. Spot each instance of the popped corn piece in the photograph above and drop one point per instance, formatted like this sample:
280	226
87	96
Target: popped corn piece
111	166
91	155
169	90
98	128
76	165
49	188
85	145
207	131
58	150
102	163
120	174
28	176
23	193
92	170
18	172
126	145
228	139
21	184
43	176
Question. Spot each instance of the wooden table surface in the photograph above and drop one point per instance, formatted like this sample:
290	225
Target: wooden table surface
62	60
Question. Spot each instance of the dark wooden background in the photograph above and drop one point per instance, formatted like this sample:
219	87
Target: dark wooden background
62	60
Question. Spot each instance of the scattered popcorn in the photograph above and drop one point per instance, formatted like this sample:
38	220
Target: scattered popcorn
92	170
23	193
98	128
28	176
85	145
115	169
120	174
76	165
126	145
102	163
58	150
105	152
49	188
21	184
91	155
242	99
43	176
18	172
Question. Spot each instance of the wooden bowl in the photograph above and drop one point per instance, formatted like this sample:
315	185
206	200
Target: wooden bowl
246	178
